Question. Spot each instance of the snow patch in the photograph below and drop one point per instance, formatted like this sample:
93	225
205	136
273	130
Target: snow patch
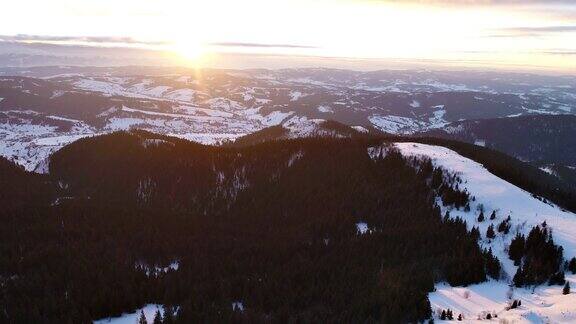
131	318
325	109
360	129
362	228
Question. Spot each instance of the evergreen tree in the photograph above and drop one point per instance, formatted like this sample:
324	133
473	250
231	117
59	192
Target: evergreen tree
460	317
557	279
518	278
493	215
492	264
475	233
572	265
157	317
481	217
142	319
566	289
504	227
443	315
516	249
168	314
490	232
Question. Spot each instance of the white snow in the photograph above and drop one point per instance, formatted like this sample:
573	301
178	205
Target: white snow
548	170
325	109
295	157
155	142
565	108
150	270
546	304
237	306
437	120
131	318
395	124
296	95
415	104
362	228
480	142
525	211
360	129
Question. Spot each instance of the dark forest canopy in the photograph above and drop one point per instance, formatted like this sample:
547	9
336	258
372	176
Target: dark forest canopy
273	226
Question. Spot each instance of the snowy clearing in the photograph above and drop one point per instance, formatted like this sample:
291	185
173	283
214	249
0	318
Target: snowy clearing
131	318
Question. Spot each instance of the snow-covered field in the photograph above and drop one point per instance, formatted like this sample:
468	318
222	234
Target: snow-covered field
545	304
132	318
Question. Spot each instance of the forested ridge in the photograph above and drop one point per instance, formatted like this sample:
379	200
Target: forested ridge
274	226
521	174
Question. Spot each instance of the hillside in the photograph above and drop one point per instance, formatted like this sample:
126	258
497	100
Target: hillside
525	212
266	232
242	226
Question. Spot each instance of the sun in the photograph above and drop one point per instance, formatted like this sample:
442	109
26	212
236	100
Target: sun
190	51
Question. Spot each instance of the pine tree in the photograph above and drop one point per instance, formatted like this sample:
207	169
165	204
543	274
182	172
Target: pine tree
490	232
449	315
519	278
481	217
516	249
460	317
475	233
514	304
566	289
557	279
504	227
572	265
492	264
443	315
168	314
493	215
157	317
142	319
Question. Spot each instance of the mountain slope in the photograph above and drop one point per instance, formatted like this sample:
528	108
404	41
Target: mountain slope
494	194
243	225
303	128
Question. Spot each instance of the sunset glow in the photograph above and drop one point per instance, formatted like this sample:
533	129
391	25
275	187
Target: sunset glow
538	35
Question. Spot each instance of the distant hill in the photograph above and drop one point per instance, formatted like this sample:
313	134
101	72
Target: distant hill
303	129
541	138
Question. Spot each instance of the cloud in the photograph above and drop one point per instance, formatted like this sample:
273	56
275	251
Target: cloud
97	40
533	31
561	52
76	39
485	2
259	45
543	29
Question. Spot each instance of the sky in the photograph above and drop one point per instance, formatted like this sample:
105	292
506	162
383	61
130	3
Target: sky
516	34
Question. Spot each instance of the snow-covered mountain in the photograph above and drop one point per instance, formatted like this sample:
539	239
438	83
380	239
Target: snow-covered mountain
44	108
538	304
171	217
